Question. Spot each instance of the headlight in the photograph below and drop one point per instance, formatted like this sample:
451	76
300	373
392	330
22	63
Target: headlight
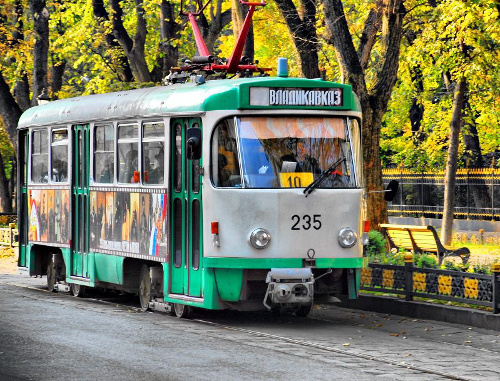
347	237
260	238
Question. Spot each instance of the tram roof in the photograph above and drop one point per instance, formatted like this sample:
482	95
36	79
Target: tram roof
229	94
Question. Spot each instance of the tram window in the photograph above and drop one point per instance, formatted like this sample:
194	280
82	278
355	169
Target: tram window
104	157
59	156
195	220
128	153
178	226
178	158
195	172
153	158
284	152
225	166
40	157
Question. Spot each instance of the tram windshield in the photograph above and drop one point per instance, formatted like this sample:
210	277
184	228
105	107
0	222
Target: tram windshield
284	152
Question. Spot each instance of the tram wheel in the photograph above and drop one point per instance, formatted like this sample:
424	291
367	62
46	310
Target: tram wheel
78	290
51	275
145	288
182	311
303	311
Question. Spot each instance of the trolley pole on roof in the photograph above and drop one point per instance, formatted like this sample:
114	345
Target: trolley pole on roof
207	62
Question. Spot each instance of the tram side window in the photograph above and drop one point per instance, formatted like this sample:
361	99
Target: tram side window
104	157
153	153
128	153
59	156
40	157
225	167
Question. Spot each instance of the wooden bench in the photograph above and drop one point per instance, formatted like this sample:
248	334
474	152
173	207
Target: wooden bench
421	239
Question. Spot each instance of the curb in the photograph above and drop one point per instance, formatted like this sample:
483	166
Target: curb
427	311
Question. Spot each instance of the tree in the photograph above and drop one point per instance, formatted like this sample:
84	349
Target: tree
387	18
302	27
451	164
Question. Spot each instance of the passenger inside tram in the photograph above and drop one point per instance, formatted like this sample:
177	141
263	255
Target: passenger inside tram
228	167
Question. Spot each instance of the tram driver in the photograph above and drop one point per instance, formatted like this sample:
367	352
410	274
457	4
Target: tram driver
301	161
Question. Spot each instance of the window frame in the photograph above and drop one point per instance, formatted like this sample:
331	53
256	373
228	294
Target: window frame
162	139
104	151
32	154
58	144
128	140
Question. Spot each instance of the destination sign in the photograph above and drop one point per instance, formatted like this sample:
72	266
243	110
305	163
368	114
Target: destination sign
276	96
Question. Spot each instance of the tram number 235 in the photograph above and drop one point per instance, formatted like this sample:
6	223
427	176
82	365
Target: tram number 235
306	222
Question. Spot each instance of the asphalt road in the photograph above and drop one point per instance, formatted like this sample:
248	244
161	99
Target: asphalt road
50	336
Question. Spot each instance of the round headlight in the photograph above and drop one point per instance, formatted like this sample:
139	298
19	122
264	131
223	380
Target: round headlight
347	237
260	238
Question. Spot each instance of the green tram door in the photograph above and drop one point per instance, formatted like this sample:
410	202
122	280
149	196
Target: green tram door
79	263
185	213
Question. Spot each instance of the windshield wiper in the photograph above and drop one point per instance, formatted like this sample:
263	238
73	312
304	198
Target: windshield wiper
311	187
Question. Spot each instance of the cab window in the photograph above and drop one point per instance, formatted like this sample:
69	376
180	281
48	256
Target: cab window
225	166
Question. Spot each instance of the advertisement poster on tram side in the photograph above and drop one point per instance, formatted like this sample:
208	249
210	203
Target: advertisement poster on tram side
101	219
65	216
34	197
116	237
134	223
144	223
49	216
124	222
157	241
95	222
43	217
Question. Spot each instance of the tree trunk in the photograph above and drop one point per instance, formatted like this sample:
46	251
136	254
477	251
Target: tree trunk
57	73
5	196
373	101
123	70
41	48
169	32
303	31
211	31
9	110
21	89
134	49
451	163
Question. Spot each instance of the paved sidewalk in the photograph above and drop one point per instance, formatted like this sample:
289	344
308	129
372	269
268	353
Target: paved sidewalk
423	310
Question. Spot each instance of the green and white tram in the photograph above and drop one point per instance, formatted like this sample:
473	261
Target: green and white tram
242	194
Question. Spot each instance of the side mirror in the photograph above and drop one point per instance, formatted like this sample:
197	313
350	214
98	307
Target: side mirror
392	189
193	143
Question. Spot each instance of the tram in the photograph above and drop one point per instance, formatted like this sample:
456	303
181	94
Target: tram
239	194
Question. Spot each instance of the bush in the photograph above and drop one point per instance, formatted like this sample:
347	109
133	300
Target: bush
425	261
452	266
376	244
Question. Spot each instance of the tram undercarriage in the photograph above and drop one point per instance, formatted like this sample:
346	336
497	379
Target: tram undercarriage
290	290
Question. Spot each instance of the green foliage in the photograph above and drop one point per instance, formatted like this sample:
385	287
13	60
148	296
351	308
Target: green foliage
376	243
452	39
392	257
426	261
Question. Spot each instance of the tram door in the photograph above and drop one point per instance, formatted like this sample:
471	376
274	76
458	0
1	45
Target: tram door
185	213
23	197
79	202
